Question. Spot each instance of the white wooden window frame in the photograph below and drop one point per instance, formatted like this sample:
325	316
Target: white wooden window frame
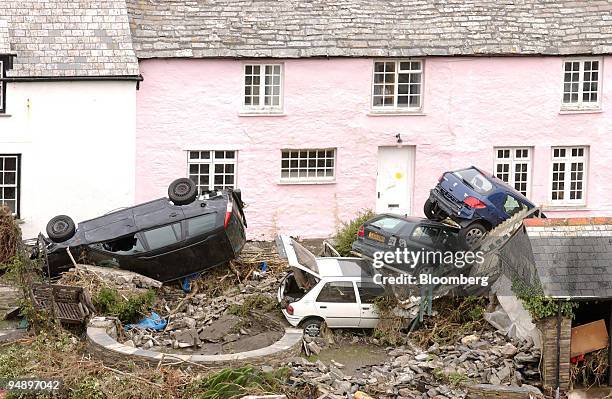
212	162
304	175
567	161
2	103
395	107
513	161
581	105
16	186
261	108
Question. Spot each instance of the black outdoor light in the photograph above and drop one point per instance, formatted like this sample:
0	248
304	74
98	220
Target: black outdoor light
399	138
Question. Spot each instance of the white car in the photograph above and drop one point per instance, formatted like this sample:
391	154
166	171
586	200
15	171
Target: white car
339	291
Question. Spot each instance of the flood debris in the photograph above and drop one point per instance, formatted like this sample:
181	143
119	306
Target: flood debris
10	236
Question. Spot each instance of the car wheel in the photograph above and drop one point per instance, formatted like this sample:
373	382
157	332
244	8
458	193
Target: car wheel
182	191
432	212
312	327
60	228
473	234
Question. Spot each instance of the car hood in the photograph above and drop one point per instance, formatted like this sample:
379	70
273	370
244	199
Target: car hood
297	256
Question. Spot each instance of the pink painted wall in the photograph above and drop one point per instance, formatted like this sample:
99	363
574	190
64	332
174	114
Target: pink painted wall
470	106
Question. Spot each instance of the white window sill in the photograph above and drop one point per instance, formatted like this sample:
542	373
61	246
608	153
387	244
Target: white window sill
305	182
393	112
564	207
261	113
570	111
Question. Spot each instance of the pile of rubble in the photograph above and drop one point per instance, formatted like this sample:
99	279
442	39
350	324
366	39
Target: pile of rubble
439	372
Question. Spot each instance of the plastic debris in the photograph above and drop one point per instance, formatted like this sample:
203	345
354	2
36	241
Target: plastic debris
153	322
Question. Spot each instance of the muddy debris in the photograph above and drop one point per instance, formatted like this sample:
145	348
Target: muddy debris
440	372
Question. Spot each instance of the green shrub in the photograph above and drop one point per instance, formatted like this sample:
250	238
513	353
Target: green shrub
233	383
539	305
347	233
110	303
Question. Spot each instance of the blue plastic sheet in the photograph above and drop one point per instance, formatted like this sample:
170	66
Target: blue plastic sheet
153	322
186	283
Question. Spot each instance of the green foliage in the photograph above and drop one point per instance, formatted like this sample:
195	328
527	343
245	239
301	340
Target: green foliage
347	233
232	383
89	388
110	303
539	305
260	303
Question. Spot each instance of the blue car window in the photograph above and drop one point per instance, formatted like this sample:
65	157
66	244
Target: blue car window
512	206
476	180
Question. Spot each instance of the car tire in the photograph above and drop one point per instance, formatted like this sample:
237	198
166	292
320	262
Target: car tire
431	211
61	228
472	235
312	327
182	191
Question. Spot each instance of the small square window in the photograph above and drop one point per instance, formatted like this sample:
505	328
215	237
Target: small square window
581	85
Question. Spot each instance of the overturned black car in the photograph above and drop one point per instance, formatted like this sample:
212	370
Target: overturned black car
165	239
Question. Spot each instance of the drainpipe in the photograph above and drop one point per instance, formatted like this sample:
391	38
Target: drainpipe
558	379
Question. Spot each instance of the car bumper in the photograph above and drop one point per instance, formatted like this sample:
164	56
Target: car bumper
453	209
293	320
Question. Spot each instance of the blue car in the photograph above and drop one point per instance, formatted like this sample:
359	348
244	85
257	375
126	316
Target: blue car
476	200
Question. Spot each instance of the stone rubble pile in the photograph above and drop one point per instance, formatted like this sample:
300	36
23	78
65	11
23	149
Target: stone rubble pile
440	372
204	322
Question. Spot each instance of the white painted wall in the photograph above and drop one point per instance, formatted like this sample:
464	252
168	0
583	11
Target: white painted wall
77	143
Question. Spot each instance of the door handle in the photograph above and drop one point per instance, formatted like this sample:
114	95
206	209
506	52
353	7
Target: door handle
366	308
173	214
323	307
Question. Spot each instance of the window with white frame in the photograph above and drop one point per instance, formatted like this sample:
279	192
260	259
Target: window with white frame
581	84
9	182
398	85
263	87
212	170
513	165
569	168
308	165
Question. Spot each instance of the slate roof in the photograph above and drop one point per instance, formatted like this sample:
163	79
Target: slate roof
574	261
65	38
308	28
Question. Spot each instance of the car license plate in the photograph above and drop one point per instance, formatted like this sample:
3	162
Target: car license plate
376	237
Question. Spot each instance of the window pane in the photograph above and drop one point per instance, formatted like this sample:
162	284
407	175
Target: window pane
161	237
201	224
368	292
338	292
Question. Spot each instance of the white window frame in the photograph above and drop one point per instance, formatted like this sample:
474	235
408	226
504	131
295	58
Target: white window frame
16	185
581	105
261	108
395	108
212	161
308	179
513	161
567	161
2	88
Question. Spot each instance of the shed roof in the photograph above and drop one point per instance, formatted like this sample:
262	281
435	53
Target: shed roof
58	38
573	257
356	28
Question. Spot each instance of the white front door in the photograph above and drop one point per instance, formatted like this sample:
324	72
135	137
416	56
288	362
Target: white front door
394	180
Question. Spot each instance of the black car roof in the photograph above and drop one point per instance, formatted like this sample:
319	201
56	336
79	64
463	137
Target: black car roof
415	220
